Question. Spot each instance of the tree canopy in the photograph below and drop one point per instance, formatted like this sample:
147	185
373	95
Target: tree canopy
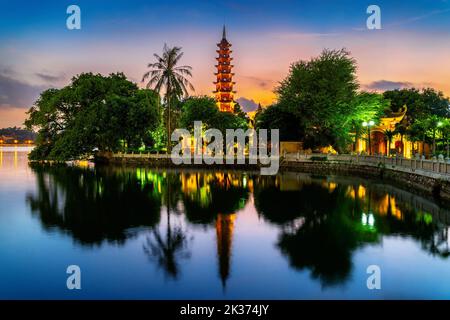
93	112
420	103
204	109
318	102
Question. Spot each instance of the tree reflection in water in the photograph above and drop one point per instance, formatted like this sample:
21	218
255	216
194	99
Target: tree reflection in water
93	206
321	221
167	251
175	246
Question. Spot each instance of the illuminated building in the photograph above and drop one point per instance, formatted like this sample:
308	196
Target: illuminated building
224	93
399	145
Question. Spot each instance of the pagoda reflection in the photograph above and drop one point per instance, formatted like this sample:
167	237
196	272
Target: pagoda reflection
214	198
321	221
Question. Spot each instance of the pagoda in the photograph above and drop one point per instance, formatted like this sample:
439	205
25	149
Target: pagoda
224	84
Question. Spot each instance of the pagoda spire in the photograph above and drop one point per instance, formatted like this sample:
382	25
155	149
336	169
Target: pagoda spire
224	84
224	33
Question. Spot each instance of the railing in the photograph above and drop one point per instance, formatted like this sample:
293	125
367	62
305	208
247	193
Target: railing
432	166
411	165
146	155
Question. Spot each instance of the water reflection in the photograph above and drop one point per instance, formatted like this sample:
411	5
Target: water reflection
93	206
321	221
169	248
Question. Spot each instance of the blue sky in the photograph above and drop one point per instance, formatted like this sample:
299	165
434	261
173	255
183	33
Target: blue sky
37	51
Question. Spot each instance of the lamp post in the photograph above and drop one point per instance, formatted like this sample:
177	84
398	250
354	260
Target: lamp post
368	125
439	124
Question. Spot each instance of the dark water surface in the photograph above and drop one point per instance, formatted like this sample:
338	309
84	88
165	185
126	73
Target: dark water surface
143	233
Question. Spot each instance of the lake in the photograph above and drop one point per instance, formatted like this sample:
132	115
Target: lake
141	233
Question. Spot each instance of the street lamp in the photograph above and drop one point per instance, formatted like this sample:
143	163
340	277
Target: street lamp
368	125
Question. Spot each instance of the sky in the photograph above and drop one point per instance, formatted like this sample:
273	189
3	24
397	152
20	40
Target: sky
38	51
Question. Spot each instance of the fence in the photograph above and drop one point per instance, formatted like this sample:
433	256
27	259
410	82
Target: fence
412	165
432	166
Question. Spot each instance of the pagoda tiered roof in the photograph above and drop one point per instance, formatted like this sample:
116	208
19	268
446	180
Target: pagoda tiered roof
224	83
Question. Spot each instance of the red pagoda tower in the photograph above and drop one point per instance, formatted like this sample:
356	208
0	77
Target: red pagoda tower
224	83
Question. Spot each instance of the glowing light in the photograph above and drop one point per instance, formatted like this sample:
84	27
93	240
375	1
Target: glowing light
371	220
364	219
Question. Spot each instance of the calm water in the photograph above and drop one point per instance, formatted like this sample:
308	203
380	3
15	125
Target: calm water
141	233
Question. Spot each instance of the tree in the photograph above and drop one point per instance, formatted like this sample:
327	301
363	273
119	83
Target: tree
200	108
320	93
417	132
321	96
444	130
433	122
205	109
364	107
389	134
166	73
421	104
93	112
278	117
436	103
401	129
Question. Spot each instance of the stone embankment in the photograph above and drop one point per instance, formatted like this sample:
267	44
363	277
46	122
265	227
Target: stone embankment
426	175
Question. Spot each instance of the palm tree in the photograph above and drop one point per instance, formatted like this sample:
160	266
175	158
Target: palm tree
389	134
165	73
401	129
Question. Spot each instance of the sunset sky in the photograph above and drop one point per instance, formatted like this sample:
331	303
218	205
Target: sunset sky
37	51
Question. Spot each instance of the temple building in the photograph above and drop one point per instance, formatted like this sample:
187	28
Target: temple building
379	144
224	93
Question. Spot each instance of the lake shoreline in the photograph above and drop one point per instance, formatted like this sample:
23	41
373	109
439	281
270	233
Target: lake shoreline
431	183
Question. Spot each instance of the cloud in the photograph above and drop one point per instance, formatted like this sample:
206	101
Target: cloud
15	93
262	83
303	35
247	105
383	85
49	78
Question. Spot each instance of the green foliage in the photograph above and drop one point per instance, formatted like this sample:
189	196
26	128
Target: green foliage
278	117
159	137
93	112
168	74
205	109
421	104
318	102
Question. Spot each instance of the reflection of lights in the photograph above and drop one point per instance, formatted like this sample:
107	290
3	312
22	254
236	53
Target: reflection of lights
368	219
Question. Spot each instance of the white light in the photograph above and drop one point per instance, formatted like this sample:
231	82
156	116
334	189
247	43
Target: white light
371	123
364	219
371	220
364	124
